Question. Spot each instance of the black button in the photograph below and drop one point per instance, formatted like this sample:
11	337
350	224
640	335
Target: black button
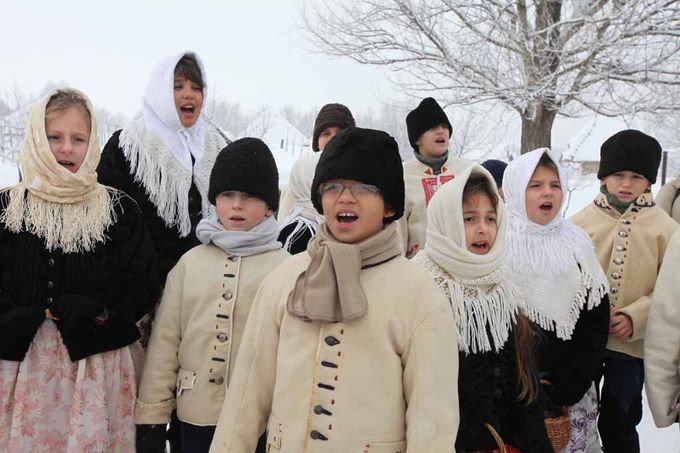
316	435
331	340
497	394
497	372
318	410
49	300
50	262
50	285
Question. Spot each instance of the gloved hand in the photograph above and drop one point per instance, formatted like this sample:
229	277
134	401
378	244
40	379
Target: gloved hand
72	309
150	438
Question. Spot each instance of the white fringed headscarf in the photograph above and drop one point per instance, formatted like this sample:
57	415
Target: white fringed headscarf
303	212
483	298
70	211
553	265
159	149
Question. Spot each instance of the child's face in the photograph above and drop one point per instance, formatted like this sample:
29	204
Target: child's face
239	211
625	185
188	100
543	195
68	134
353	210
326	135
479	218
434	142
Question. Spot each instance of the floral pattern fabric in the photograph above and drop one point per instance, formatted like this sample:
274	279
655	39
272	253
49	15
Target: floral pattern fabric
583	416
50	404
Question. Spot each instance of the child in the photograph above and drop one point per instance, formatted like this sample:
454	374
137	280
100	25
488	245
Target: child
668	199
429	131
207	298
662	341
630	235
297	217
497	169
348	346
77	270
565	291
465	253
163	158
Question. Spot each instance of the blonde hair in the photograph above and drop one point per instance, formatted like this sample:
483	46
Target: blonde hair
65	99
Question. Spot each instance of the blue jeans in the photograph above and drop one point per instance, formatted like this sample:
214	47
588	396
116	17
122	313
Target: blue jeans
621	404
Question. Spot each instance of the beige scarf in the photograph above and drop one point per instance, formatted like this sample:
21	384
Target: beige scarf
70	211
329	290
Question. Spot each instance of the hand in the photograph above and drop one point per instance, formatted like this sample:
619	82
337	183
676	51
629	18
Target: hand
620	325
72	309
150	438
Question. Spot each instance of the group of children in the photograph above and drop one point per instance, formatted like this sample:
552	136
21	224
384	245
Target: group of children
434	306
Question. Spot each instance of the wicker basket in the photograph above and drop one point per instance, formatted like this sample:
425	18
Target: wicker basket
497	438
558	427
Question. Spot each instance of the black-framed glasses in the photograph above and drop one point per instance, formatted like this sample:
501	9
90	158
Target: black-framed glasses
334	189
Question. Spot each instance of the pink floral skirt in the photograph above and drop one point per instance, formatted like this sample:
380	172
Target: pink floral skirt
50	404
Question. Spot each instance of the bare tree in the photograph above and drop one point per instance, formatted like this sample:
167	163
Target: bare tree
536	57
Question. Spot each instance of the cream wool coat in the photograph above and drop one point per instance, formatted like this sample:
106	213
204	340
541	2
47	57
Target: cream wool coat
420	185
197	332
385	383
630	248
662	343
668	199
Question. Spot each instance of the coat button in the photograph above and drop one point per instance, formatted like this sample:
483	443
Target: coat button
616	275
620	248
331	340
49	300
228	295
222	337
497	394
618	261
219	380
50	262
623	234
316	435
497	372
625	221
50	285
318	410
615	290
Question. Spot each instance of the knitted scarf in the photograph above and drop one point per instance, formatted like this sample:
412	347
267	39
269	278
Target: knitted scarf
70	211
259	239
482	295
303	212
435	163
160	150
553	265
329	289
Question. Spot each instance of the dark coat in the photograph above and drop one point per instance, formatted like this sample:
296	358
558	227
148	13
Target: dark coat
298	244
488	386
571	366
121	273
114	171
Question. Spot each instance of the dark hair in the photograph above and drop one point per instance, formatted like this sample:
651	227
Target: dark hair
479	184
546	161
188	68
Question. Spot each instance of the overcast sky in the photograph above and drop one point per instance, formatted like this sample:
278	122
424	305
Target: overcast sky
252	50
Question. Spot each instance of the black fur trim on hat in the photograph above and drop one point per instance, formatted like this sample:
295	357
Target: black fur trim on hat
331	115
630	150
365	155
246	165
427	115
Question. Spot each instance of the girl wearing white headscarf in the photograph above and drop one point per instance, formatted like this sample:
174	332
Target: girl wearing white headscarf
301	223
497	384
163	157
563	286
77	270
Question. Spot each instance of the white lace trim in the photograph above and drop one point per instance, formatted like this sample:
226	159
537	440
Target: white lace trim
484	308
166	181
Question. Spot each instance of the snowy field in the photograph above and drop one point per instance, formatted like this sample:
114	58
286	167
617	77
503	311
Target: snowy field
653	440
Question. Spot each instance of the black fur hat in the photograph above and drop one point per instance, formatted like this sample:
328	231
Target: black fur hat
365	155
630	150
427	115
246	165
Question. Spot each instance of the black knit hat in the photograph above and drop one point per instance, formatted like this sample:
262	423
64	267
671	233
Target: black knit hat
497	169
246	165
365	155
630	150
331	115
427	115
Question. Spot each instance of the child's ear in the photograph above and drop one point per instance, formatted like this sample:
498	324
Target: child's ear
269	213
602	183
389	212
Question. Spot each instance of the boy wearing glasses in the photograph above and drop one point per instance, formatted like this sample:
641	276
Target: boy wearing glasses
347	347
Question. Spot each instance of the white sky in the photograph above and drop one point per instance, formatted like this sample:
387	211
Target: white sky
252	50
